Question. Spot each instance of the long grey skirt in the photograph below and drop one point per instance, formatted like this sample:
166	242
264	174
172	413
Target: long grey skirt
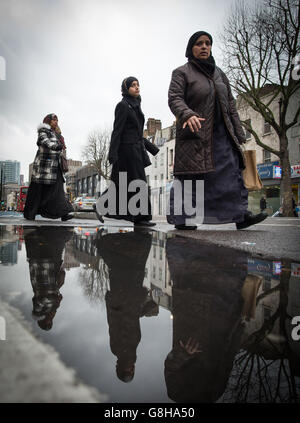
225	196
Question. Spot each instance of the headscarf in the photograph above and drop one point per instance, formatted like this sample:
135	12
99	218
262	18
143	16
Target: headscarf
48	118
126	84
207	66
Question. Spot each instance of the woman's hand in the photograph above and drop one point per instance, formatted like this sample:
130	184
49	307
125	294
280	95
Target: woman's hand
194	123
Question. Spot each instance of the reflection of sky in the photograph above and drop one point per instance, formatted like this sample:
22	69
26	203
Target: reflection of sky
80	335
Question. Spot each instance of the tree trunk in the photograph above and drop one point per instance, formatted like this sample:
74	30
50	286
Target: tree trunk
286	184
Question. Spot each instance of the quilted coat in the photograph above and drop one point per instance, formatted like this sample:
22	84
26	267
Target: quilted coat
191	93
47	159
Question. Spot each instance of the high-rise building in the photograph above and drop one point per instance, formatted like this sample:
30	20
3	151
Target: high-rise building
10	172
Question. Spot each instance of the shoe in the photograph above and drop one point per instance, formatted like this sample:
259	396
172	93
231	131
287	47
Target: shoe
186	227
30	218
67	217
97	214
251	219
144	223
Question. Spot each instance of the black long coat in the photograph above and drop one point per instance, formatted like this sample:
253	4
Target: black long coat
127	153
128	128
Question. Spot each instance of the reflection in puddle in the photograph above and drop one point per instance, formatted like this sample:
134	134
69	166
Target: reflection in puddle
201	323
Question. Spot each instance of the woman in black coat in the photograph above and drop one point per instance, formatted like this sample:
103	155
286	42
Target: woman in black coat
46	195
129	158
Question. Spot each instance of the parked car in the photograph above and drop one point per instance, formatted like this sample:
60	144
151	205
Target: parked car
84	203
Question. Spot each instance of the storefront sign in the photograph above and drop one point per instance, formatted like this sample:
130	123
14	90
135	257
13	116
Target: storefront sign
273	170
266	170
276	172
295	171
271	269
295	270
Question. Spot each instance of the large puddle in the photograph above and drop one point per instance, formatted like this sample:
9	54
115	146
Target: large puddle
145	317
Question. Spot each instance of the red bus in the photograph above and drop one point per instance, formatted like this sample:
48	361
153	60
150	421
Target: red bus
22	198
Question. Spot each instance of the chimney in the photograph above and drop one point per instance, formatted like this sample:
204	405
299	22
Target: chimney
152	126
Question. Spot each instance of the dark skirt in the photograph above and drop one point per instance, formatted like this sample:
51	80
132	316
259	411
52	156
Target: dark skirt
225	196
47	200
131	161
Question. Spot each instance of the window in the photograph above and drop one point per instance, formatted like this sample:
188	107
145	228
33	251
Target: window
171	158
162	156
247	133
267	128
154	252
267	156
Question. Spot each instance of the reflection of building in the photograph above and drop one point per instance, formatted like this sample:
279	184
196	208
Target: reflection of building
69	260
157	275
9	253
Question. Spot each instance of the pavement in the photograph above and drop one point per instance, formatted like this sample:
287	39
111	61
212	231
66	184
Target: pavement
275	237
32	371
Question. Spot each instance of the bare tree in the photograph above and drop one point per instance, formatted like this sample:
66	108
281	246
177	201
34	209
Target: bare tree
260	48
95	152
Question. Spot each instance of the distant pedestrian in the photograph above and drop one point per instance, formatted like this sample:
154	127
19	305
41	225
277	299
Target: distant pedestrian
208	138
46	195
263	203
295	211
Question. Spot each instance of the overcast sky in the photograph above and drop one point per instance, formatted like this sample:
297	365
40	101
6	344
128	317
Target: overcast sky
69	57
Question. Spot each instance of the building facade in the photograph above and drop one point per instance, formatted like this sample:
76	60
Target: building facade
268	163
10	172
160	173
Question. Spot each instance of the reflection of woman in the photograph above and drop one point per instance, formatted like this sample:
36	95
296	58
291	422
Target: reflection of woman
208	138
46	194
127	151
46	274
126	256
207	324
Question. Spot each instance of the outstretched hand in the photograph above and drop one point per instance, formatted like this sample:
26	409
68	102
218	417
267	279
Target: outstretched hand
191	347
194	123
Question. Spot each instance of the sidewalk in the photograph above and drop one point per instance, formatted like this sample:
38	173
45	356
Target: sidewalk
32	371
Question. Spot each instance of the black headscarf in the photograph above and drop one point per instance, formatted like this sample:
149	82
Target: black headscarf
126	84
206	66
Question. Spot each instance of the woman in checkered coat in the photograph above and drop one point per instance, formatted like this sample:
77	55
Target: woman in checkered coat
46	194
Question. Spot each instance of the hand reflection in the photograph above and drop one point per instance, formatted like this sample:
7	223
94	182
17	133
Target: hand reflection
191	347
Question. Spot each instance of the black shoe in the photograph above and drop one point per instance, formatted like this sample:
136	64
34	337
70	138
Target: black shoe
30	218
144	223
67	217
186	227
97	214
251	219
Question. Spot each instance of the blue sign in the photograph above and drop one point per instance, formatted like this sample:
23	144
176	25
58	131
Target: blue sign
277	172
267	268
266	170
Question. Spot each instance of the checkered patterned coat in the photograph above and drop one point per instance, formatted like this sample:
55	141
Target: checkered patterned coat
47	159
